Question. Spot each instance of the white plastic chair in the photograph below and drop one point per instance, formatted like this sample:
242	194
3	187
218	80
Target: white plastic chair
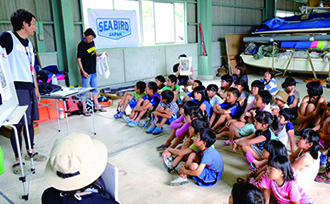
109	181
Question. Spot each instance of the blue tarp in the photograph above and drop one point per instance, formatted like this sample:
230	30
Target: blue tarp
315	21
274	23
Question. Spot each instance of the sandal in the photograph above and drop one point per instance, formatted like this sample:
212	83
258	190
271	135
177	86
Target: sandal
17	168
36	157
322	178
185	90
118	115
118	109
227	143
86	114
328	85
252	167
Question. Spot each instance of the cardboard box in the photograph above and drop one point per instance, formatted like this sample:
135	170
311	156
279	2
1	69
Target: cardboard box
6	131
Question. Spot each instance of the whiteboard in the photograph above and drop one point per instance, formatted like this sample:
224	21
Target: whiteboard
9	99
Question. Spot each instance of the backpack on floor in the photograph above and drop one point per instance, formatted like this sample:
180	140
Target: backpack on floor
74	109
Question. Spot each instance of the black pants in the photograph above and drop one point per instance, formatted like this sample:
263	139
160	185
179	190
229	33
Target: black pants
19	131
25	97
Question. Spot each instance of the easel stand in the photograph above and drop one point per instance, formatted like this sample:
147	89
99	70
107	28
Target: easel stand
13	120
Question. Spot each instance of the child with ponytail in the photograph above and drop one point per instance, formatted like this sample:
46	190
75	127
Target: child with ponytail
306	159
202	99
253	145
179	127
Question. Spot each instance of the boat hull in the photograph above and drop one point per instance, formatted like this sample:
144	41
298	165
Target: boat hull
299	65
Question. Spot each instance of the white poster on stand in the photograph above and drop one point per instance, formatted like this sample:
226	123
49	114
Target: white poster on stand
186	66
114	28
4	85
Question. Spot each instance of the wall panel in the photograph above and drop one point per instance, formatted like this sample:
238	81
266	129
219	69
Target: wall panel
191	13
45	10
117	69
144	62
223	14
248	16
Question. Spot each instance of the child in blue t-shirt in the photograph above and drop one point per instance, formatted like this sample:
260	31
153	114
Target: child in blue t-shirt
167	110
202	99
241	122
149	103
231	109
205	166
190	95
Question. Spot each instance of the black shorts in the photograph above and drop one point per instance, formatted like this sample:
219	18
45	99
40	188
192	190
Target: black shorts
28	97
182	81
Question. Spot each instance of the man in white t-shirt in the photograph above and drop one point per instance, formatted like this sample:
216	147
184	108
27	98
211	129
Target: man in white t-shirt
21	61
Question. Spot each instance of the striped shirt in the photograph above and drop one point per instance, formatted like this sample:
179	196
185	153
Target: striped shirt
271	86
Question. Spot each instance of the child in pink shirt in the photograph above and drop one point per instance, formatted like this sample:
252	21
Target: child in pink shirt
179	127
279	182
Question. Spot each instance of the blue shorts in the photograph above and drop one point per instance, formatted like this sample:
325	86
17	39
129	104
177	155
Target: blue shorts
132	103
207	177
90	81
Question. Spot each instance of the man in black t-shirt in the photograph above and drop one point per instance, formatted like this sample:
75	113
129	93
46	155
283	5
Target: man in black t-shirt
86	59
182	80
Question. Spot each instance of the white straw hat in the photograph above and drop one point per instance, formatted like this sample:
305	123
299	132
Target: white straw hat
75	162
282	95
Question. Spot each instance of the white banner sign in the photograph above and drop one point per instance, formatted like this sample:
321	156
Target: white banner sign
114	28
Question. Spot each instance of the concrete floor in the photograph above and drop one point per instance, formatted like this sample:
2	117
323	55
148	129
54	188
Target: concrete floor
142	178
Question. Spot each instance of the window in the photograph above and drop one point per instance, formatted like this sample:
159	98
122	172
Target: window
282	14
179	23
162	22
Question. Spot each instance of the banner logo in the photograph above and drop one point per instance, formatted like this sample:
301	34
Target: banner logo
113	28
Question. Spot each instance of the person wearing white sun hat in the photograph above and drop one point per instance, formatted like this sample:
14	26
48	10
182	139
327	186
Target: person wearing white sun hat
75	163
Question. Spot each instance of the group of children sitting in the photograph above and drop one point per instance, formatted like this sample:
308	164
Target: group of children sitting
258	121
